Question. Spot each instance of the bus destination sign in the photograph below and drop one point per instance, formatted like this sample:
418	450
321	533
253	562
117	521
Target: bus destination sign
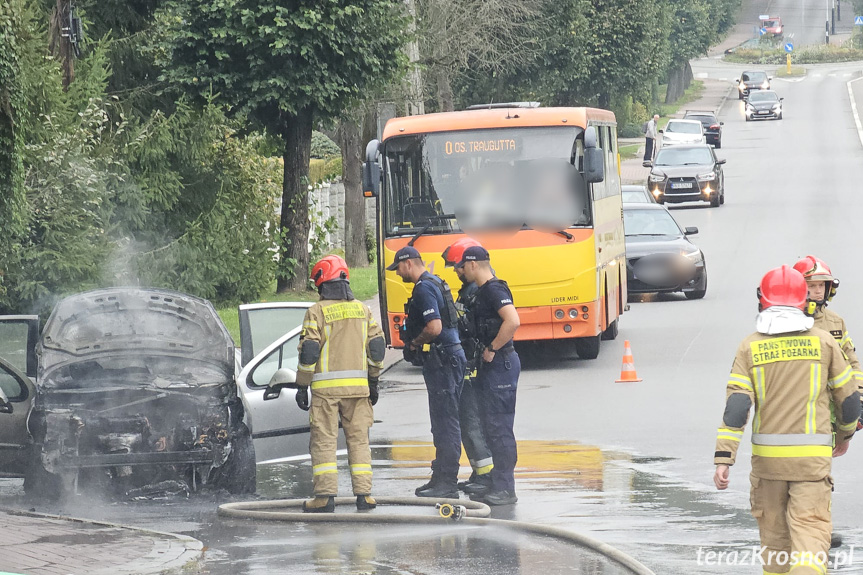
458	147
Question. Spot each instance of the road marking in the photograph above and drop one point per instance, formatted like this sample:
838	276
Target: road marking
831	75
791	35
816	75
854	109
846	75
724	79
702	75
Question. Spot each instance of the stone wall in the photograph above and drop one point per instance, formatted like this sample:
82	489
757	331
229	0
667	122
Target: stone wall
328	200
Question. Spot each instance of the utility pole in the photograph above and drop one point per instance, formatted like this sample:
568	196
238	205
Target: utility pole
826	21
66	39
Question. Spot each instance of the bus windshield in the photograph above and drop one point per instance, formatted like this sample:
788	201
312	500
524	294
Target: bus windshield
475	180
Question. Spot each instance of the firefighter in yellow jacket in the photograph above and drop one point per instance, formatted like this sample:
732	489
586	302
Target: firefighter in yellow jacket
822	287
791	372
341	353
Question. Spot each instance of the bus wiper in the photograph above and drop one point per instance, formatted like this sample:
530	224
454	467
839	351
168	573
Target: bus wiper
565	234
429	225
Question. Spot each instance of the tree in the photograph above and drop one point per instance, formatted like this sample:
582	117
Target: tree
491	35
284	68
350	141
11	141
692	32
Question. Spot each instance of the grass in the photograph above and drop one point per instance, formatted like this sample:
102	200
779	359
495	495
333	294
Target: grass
822	54
795	71
629	151
364	284
692	93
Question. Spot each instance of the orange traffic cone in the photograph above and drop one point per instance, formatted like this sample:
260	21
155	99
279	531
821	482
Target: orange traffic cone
627	371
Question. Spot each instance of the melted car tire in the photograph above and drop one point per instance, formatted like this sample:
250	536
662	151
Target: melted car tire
238	474
588	347
41	483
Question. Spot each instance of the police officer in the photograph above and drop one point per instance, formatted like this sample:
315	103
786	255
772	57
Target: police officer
431	338
791	371
496	321
472	436
341	353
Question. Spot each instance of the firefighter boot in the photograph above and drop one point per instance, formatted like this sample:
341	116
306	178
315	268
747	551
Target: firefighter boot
320	504
366	503
471	479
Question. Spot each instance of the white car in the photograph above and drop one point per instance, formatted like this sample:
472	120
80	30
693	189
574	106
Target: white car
682	133
127	387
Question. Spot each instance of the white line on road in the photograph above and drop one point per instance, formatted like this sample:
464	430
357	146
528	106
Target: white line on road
831	75
846	75
854	109
816	75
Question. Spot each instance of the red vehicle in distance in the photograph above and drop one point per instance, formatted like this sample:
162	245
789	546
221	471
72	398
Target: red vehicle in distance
772	26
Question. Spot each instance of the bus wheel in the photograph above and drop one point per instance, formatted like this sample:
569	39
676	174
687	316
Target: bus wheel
587	347
610	332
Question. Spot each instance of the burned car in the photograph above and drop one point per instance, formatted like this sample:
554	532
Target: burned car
133	388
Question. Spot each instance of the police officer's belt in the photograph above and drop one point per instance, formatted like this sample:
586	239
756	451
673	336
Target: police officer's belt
449	347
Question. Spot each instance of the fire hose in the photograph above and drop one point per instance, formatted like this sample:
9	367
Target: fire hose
448	510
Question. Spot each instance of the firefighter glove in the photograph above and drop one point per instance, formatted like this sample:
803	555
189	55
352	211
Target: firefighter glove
373	390
303	398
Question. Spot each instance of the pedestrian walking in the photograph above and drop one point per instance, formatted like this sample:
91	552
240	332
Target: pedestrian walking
791	372
495	323
650	134
341	353
431	339
472	435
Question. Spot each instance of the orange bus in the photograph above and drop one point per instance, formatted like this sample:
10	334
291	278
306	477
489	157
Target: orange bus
539	187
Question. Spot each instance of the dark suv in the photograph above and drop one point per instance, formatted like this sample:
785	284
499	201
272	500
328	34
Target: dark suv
687	174
752	80
712	127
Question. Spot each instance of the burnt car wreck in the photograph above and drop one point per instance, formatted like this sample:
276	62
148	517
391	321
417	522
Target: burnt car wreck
136	388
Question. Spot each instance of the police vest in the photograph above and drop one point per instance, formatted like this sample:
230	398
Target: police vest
483	328
448	315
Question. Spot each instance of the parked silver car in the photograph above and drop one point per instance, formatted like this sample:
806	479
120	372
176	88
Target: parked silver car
129	389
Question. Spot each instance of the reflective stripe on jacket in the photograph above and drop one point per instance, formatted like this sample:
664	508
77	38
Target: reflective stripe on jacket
790	379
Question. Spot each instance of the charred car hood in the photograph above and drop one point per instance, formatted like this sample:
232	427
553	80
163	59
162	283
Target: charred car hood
639	246
682	171
117	323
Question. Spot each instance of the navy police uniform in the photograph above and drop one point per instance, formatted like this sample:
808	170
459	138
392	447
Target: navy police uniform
444	367
497	383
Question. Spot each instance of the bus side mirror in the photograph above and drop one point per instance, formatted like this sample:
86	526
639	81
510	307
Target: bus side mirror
372	171
594	165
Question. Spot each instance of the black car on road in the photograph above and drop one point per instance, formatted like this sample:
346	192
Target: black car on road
764	105
752	80
687	174
712	126
659	255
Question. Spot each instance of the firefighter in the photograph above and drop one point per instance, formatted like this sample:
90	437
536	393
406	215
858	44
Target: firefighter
431	339
495	322
341	353
821	287
472	436
791	371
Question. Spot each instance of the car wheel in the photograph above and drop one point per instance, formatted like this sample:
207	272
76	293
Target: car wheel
238	474
715	201
40	483
699	293
718	144
722	198
780	115
587	347
611	331
748	118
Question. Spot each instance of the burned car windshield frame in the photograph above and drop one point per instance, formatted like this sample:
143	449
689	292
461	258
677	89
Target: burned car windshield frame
425	175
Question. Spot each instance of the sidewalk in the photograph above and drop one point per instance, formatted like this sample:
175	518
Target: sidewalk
712	98
37	544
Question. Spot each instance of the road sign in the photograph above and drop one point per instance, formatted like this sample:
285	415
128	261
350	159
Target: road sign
789	47
764	17
762	31
858	20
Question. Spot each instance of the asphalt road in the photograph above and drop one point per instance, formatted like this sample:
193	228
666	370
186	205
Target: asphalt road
803	20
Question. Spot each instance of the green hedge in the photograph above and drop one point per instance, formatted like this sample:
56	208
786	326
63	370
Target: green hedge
809	55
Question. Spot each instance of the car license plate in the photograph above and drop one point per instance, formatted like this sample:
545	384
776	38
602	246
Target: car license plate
764	111
679	185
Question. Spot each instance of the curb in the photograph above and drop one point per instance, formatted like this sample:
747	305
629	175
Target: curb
192	549
722	102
